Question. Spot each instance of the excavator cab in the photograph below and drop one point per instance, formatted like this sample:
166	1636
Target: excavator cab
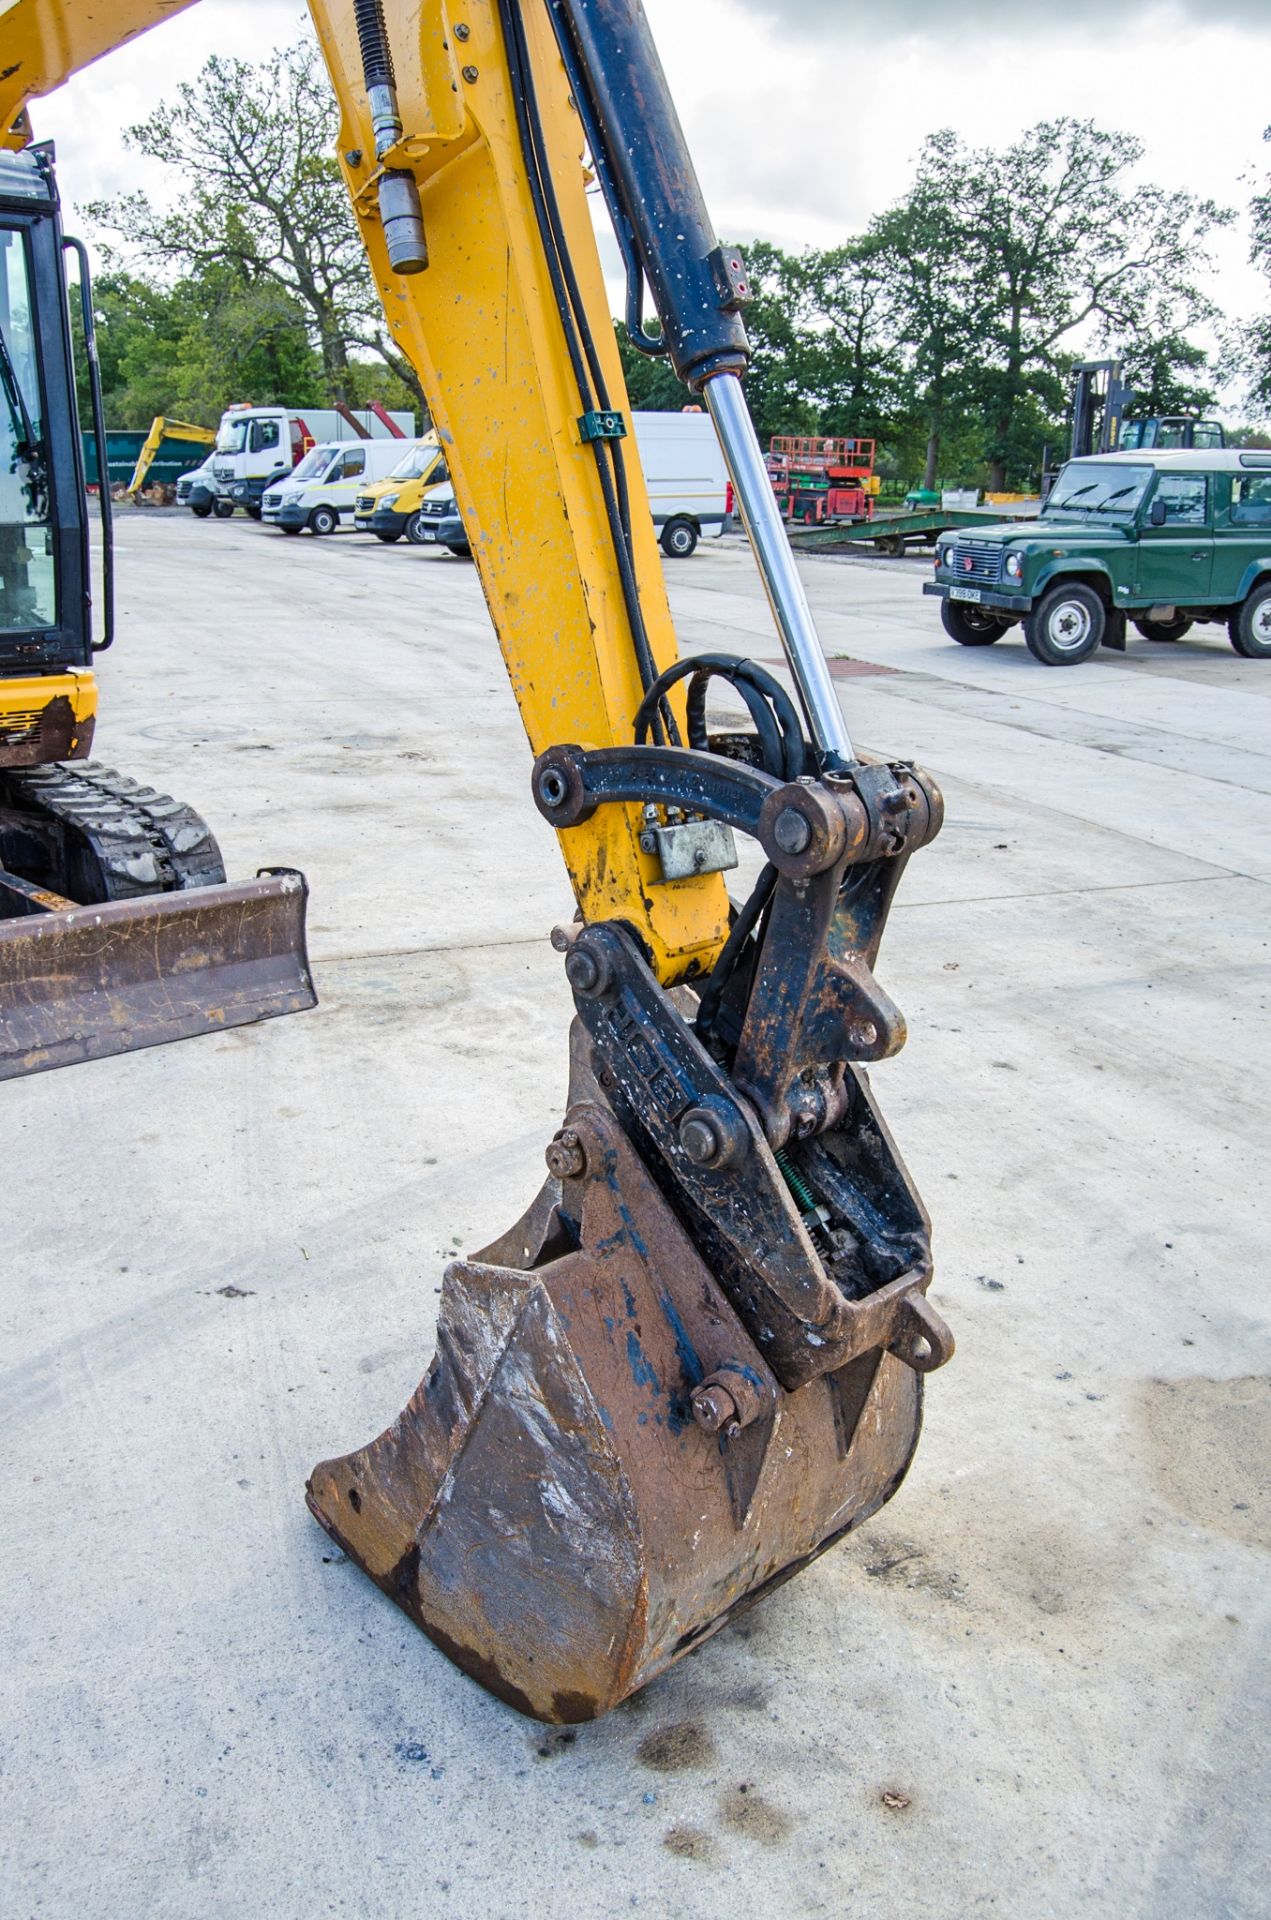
117	927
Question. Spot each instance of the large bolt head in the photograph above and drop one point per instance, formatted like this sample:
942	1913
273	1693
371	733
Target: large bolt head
565	1157
791	831
700	1138
713	1408
587	972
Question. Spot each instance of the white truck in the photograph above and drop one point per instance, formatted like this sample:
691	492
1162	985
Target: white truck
256	446
690	493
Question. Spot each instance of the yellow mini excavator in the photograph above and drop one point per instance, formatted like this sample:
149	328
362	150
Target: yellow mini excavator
698	1359
117	927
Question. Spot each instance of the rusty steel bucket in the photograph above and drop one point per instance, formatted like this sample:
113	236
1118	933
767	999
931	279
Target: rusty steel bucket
84	982
552	1507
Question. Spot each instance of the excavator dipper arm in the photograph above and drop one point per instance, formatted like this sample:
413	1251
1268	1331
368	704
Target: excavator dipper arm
697	1360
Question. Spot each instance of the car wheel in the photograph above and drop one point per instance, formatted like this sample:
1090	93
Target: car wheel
223	509
324	520
254	513
971	626
283	529
1165	629
1066	625
1250	624
203	511
891	544
679	539
388	538
460	553
416	527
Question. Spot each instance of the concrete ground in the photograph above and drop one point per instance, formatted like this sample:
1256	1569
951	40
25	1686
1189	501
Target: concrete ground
1035	1685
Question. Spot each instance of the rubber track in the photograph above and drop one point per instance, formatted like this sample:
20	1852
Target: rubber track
143	840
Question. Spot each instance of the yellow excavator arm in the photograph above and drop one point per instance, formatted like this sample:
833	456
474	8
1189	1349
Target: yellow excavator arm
161	429
697	1360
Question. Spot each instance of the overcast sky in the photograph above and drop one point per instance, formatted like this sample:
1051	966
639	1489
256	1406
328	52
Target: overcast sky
804	123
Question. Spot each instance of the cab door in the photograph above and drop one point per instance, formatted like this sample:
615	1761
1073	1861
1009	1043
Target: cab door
1242	530
343	481
1176	557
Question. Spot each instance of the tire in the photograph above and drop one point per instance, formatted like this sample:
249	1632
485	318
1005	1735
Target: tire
891	544
283	529
415	530
223	509
388	538
1250	624
460	553
324	520
255	513
1165	629
679	539
1066	625
202	513
969	625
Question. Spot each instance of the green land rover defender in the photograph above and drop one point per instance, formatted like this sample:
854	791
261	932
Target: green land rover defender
1169	540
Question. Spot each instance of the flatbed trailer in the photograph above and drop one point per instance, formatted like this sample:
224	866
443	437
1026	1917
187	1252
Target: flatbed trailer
891	533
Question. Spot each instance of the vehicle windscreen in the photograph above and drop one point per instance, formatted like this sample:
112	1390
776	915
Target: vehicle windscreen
415	464
1084	487
232	439
315	462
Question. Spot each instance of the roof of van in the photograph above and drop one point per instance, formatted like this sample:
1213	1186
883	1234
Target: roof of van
1188	459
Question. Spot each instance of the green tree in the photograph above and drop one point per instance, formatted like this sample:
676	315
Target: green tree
778	321
1247	348
851	353
262	199
938	300
1168	374
1062	240
191	349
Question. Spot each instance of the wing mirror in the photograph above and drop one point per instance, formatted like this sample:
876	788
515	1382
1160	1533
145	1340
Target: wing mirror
1156	514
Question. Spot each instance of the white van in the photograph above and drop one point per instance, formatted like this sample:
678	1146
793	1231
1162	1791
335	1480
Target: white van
323	489
689	489
687	480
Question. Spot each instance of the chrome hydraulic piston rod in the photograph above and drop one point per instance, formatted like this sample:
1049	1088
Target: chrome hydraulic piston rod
757	505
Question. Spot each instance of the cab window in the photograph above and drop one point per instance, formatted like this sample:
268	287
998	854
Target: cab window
27	571
264	435
1207	434
1184	495
354	463
1251	500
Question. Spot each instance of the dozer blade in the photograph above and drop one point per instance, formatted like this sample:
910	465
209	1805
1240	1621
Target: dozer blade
567	1505
86	982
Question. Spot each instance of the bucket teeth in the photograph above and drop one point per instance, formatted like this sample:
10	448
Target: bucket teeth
548	1508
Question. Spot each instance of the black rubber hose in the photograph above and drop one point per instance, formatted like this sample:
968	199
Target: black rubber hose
788	762
742	928
578	338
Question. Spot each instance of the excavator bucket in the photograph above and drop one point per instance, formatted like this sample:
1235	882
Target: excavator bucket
81	982
601	1467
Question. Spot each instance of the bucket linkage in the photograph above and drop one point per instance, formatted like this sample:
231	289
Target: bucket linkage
697	1360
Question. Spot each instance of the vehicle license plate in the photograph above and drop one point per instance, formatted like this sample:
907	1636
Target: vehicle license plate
965	593
428	533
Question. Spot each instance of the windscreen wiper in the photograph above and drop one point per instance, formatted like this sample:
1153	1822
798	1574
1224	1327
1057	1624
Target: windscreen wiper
28	447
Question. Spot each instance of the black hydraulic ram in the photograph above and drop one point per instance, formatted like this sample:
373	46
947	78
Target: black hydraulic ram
699	289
